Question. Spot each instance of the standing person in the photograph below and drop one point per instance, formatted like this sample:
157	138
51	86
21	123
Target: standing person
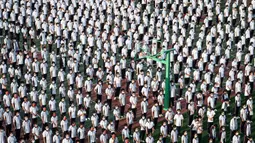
140	78
136	136
169	116
144	107
87	104
155	113
223	135
178	121
109	93
36	131
113	139
236	138
104	137
133	100
47	135
3	136
88	86
92	135
98	90
54	122
17	125
130	120
142	123
122	100
8	120
233	126
12	138
125	133
72	112
73	131
116	113
149	139
184	138
160	103
26	125
56	138
117	85
210	115
81	133
163	132
174	135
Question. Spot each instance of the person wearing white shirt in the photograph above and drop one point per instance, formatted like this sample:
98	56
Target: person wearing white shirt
184	138
17	125
47	135
56	138
92	135
12	138
130	120
140	82
72	112
125	133
163	131
2	134
155	113
149	139
133	100
178	120
73	131
36	131
54	122
236	138
8	120
81	133
62	107
104	137
26	125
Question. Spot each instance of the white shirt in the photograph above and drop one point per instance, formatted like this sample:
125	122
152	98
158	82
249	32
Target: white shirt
47	135
178	119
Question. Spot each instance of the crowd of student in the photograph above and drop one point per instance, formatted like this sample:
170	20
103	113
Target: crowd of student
67	64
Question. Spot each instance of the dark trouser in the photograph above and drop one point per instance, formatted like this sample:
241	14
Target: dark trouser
116	125
122	110
26	136
242	126
134	112
171	101
82	140
140	91
99	97
169	128
117	91
178	130
127	85
142	133
155	121
37	141
190	119
199	138
237	110
73	120
17	134
73	139
8	129
130	128
87	112
209	124
160	109
123	71
109	101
